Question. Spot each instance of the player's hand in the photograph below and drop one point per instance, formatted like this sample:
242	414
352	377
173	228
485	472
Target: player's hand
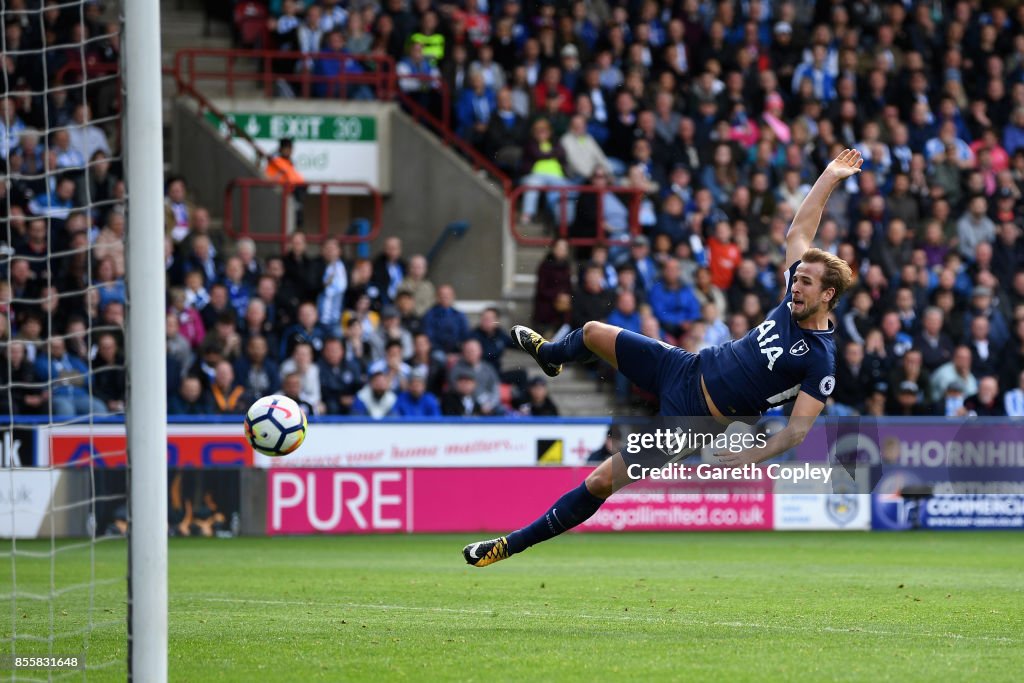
848	163
734	458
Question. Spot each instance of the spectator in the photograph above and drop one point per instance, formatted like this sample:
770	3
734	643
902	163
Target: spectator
334	283
291	386
190	399
473	108
308	330
493	340
190	323
301	363
487	389
68	377
552	297
424	357
582	153
418	75
981	306
1013	400
974	226
460	400
539	403
255	323
376	399
956	370
416	401
234	283
24	394
389	269
218	308
908	401
397	370
178	347
985	402
936	346
177	209
110	243
302	272
446	326
340	378
505	133
281	169
202	259
108	373
544	162
673	303
591	301
406	307
256	369
86	138
418	286
227	397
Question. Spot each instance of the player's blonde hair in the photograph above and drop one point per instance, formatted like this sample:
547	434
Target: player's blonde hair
838	274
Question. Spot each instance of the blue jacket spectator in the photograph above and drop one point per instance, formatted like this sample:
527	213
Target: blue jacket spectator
68	376
417	401
673	304
473	107
328	71
446	327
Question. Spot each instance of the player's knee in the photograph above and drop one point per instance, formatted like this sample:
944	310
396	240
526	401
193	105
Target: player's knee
600	482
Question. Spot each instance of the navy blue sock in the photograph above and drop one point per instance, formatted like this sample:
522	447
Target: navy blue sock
575	507
569	348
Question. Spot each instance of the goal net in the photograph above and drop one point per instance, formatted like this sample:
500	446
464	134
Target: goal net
64	508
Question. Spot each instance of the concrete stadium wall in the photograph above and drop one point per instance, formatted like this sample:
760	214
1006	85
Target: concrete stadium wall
433	187
201	155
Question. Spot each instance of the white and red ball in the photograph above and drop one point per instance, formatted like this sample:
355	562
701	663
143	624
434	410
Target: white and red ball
275	425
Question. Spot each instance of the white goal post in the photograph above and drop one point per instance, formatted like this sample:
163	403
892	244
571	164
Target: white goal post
146	407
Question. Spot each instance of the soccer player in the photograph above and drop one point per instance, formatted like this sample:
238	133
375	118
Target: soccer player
789	356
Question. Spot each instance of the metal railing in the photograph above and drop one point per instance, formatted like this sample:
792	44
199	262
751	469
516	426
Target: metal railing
272	67
244	186
593	234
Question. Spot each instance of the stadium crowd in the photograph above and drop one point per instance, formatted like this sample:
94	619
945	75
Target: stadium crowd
720	114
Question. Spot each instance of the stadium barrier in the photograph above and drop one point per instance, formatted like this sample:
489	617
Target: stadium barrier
322	188
596	233
492	474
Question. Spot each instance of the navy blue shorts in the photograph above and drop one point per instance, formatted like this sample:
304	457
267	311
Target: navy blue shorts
670	373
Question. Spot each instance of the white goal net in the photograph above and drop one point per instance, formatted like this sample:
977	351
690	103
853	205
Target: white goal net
63	205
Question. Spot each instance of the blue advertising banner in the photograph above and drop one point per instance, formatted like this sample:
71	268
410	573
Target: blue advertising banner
895	512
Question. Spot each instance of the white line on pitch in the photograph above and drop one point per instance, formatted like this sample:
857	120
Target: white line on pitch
613	617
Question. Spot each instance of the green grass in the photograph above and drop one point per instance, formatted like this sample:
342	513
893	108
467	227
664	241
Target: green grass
729	607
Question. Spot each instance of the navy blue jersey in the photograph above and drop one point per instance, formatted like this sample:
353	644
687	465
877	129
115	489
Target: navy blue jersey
771	364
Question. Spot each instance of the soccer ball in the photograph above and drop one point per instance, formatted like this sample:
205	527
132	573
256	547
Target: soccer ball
275	425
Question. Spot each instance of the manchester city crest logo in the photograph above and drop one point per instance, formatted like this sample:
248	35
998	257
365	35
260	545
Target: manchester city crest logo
841	507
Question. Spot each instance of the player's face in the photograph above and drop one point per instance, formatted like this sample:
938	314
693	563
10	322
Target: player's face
808	297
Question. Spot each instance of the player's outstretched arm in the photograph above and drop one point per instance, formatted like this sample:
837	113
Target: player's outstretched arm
805	410
808	216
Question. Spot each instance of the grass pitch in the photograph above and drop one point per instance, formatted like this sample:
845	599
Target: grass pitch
729	607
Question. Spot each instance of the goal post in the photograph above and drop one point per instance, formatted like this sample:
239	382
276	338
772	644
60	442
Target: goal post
146	407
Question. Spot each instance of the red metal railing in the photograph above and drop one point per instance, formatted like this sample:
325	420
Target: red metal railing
244	228
379	71
600	234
